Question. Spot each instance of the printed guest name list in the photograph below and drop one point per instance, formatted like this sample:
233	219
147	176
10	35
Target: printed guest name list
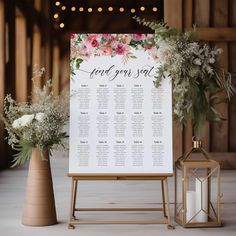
119	122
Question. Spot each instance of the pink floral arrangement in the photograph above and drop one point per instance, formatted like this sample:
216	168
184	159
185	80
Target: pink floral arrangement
83	46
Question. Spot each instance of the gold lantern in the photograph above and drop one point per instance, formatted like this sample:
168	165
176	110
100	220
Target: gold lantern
197	189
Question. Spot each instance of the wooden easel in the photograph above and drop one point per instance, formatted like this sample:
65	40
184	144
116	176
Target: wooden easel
165	200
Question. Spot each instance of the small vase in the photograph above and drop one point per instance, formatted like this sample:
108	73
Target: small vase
39	207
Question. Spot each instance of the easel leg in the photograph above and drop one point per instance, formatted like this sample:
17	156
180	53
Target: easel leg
72	203
163	198
170	226
75	196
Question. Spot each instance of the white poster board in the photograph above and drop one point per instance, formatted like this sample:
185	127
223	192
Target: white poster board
119	122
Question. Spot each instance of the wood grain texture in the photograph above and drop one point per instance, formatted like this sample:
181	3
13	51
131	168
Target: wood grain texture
36	60
2	71
65	73
215	22
232	68
219	14
56	69
48	58
217	34
21	62
232	105
187	24
173	13
232	13
45	60
10	68
187	136
202	13
219	132
202	19
173	16
188	14
177	141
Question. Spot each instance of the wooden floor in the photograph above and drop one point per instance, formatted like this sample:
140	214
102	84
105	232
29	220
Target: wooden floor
102	194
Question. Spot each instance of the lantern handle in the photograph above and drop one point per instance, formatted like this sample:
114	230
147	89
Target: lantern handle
196	145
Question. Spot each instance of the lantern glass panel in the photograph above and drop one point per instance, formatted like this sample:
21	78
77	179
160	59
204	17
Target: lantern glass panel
197	186
179	195
214	196
201	196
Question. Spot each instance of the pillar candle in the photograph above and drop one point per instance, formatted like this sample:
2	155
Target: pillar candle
190	206
201	200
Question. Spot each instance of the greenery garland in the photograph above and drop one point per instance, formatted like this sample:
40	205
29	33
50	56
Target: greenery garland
198	83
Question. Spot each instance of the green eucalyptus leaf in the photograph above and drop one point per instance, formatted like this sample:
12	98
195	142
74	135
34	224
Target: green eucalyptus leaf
78	62
24	153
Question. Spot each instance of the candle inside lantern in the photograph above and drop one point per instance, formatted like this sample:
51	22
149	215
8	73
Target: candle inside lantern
190	206
201	200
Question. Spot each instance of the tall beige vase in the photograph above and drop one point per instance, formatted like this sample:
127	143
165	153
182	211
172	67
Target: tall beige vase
39	207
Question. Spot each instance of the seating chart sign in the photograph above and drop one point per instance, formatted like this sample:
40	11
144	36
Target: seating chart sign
120	122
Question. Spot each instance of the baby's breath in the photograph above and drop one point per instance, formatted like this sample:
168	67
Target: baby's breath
198	82
35	125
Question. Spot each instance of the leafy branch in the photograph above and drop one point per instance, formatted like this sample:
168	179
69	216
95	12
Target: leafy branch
197	81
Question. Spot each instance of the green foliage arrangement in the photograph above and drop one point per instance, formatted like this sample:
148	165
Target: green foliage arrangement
35	125
198	83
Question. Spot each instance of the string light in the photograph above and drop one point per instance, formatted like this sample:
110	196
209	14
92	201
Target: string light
132	10
142	8
154	9
121	9
99	9
56	15
62	25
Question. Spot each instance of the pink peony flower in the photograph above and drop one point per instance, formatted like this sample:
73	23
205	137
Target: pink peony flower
94	43
138	37
106	50
121	48
92	40
72	36
106	35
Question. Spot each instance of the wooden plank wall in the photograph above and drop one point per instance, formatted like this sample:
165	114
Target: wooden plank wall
232	67
216	25
8	82
56	69
36	57
21	58
2	71
173	16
